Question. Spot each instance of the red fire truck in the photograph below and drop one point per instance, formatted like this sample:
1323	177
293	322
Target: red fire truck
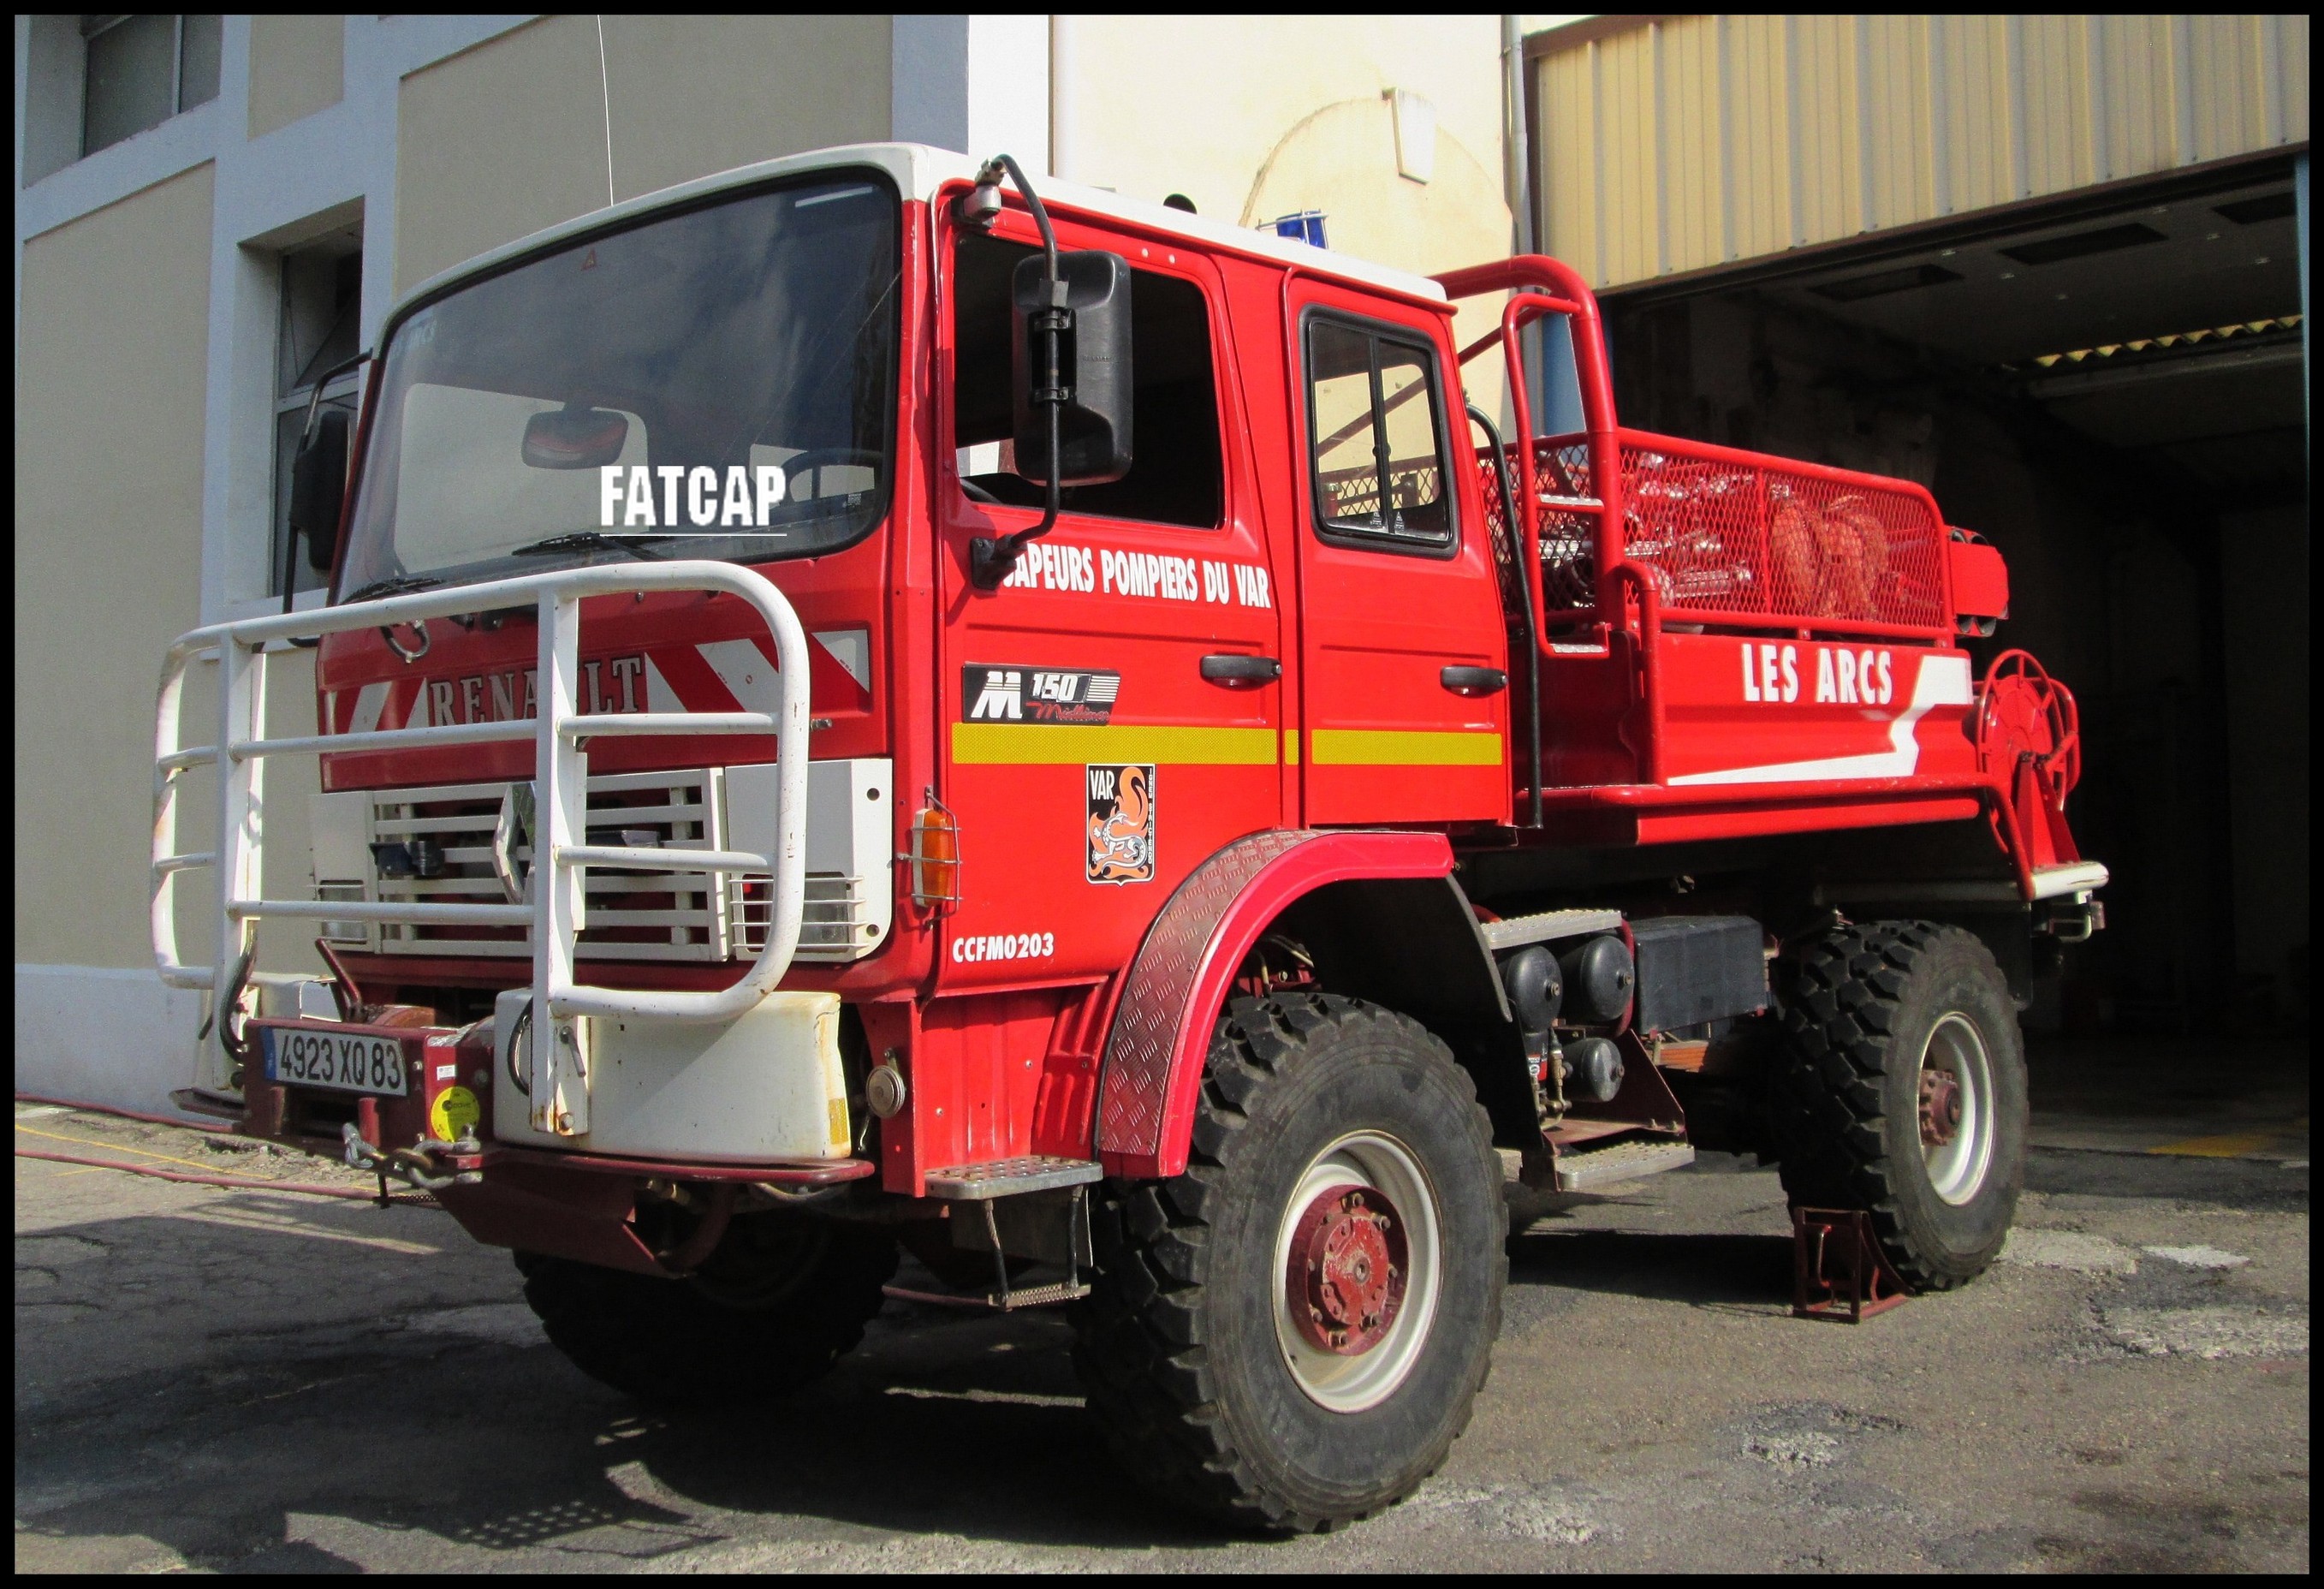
863	711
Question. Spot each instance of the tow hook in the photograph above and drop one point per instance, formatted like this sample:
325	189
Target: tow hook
416	1166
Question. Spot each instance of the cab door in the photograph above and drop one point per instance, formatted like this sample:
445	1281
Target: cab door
1402	649
1110	715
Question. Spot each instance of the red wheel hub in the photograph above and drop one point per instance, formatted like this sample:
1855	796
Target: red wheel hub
1347	1269
1941	1108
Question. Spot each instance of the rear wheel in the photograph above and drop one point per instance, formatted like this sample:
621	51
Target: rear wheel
779	1302
1291	1334
1902	1092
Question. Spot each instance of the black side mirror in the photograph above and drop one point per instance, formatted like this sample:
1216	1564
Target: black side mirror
318	488
1093	368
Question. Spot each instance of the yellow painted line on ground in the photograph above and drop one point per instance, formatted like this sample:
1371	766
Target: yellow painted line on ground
1404	747
2223	1147
118	1148
244	1217
1027	744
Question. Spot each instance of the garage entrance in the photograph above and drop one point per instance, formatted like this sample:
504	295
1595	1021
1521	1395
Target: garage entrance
2109	387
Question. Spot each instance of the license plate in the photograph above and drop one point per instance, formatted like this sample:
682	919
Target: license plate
303	1056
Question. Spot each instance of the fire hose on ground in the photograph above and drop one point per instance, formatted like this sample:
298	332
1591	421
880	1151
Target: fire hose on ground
236	1183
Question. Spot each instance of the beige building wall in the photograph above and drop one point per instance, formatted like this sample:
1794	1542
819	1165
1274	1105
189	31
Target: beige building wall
1294	115
1682	143
510	137
114	358
298	66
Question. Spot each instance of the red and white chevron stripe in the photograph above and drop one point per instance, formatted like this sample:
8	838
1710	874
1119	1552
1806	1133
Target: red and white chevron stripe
714	676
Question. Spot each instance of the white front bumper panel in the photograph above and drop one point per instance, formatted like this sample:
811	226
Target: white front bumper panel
765	1086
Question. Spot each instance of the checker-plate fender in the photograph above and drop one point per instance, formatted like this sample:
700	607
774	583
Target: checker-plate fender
1178	983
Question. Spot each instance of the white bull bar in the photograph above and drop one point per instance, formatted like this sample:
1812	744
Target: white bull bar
556	912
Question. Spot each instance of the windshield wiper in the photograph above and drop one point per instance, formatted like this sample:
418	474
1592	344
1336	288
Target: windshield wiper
590	540
393	585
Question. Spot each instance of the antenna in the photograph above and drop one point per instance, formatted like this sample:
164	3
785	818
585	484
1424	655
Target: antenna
606	86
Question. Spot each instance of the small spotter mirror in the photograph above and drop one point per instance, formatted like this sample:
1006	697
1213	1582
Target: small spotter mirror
574	438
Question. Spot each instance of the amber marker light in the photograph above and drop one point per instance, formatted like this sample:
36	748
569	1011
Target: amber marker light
935	856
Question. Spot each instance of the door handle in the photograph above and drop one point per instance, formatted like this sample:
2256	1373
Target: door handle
1474	681
1236	670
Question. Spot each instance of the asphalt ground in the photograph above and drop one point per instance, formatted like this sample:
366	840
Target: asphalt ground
253	1381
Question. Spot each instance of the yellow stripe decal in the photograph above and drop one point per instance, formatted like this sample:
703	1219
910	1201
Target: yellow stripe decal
1402	747
1019	744
1291	747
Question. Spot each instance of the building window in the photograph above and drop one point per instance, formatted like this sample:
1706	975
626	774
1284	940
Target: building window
142	71
321	318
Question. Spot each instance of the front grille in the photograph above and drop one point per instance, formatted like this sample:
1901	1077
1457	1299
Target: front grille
834	921
446	830
632	915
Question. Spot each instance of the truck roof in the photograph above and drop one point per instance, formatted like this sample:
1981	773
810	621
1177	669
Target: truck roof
918	170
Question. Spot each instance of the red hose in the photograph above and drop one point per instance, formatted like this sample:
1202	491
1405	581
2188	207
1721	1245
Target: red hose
125	1114
244	1182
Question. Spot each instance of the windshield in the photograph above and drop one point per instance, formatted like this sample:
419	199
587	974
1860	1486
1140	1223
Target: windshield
719	383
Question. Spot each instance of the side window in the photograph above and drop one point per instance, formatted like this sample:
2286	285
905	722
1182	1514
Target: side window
1176	478
1374	415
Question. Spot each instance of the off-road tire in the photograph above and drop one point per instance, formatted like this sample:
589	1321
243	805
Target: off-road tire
1863	1003
696	1341
1177	1346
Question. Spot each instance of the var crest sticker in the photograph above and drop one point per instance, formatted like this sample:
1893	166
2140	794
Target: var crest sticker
1120	823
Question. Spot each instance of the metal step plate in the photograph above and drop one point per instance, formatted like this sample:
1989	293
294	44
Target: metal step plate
1624	1161
1050	1296
1006	1177
1548	925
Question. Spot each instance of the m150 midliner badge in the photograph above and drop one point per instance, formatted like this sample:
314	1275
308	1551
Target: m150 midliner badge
1121	824
990	694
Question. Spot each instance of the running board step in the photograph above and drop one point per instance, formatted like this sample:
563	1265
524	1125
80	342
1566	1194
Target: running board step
1006	1177
1009	1301
1623	1162
1547	925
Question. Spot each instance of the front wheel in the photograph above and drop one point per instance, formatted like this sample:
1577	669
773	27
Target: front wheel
1291	1335
779	1302
1902	1092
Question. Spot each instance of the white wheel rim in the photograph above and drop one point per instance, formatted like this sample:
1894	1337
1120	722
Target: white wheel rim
1350	1384
1957	1168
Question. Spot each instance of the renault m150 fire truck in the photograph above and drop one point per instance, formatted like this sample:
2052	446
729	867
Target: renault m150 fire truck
864	711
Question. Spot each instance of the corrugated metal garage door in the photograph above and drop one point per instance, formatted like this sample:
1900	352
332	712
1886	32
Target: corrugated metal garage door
1681	143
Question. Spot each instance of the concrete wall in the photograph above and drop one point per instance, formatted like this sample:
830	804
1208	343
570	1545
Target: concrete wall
1280	113
297	67
108	562
510	137
114	360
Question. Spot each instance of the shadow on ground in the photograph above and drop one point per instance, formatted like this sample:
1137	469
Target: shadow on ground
1749	1271
941	1423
